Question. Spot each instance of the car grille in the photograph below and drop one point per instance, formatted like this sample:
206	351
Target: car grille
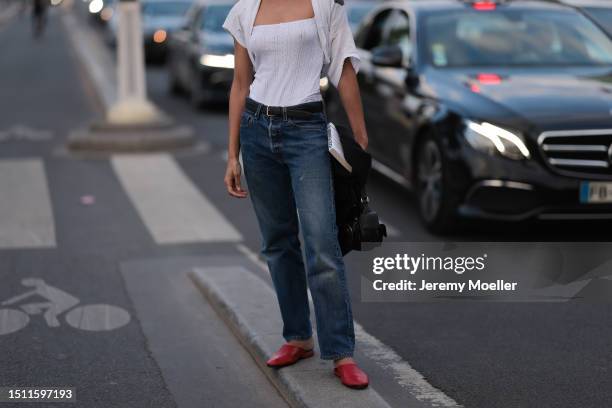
578	152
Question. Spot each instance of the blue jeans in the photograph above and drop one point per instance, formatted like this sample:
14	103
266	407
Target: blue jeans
288	172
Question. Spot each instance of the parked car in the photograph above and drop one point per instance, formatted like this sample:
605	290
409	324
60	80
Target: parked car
159	19
599	11
356	11
201	54
497	110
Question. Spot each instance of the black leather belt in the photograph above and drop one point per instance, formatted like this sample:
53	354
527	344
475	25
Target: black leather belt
303	110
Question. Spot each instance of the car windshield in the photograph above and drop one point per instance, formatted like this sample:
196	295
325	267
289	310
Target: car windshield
603	16
214	16
510	37
166	8
357	12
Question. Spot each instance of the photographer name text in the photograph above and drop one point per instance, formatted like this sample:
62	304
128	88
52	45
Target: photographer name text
458	266
427	286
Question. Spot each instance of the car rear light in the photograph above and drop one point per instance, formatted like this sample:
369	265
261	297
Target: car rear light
484	5
489	79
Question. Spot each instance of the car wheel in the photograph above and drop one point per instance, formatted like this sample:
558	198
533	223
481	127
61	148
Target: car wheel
437	206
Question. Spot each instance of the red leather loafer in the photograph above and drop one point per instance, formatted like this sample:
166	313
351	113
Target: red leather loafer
352	376
288	354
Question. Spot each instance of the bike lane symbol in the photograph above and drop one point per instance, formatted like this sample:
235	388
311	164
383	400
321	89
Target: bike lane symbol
99	317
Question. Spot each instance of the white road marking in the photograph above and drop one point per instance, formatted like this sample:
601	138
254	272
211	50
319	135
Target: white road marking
26	216
406	376
25	133
170	205
97	317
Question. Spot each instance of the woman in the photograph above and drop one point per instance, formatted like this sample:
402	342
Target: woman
276	116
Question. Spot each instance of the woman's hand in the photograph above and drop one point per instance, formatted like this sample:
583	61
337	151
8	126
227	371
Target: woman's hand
362	140
243	76
232	179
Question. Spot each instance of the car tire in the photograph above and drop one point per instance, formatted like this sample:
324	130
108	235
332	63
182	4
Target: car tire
436	203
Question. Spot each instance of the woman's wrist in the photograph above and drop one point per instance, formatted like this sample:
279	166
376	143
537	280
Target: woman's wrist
360	134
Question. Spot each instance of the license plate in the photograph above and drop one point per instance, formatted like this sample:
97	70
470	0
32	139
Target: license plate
594	192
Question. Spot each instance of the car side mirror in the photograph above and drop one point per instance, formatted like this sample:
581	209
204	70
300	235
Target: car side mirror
388	56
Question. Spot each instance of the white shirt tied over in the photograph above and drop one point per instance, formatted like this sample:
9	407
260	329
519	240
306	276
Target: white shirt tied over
332	27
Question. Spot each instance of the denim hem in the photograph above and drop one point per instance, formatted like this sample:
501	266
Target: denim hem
298	338
337	356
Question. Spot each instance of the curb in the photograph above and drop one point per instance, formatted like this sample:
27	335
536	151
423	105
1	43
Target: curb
248	305
128	139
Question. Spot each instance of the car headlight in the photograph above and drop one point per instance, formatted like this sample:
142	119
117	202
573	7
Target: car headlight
217	61
492	139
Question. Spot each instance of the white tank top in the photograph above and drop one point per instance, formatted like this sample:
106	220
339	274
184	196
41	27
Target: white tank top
288	59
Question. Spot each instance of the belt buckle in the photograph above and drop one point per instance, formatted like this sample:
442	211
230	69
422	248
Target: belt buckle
268	111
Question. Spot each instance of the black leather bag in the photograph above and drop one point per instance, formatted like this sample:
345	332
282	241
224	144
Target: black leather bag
359	227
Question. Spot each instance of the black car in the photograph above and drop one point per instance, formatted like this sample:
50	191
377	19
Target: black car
498	110
356	11
201	54
599	11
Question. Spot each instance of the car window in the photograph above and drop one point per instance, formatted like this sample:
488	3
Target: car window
397	32
213	18
389	27
603	16
372	35
514	38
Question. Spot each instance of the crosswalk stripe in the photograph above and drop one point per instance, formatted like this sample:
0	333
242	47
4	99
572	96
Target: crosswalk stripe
170	205
26	215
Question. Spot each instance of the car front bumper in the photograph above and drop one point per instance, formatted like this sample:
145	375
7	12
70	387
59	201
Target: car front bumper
502	189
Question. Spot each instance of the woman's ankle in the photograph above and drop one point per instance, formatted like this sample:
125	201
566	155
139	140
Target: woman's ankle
342	361
304	344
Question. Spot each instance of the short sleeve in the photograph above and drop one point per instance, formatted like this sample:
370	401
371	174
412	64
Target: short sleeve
233	26
342	44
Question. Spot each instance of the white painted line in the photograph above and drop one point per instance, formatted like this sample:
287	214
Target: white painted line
406	376
26	216
170	205
387	359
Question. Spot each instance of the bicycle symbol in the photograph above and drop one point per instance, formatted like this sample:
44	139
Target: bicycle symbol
97	317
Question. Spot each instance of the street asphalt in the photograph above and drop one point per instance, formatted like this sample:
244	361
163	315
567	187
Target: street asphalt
481	355
100	243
